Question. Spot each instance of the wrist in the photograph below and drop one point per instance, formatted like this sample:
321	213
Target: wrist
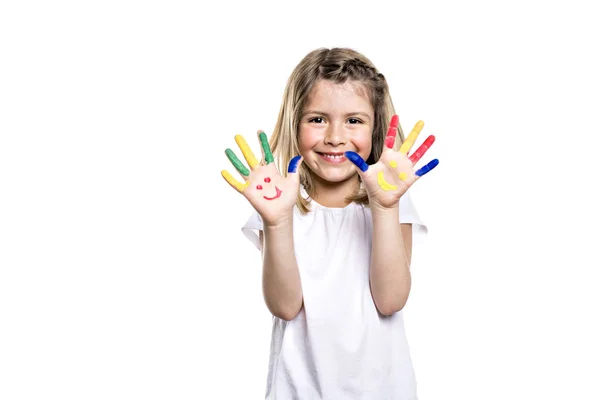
377	209
281	223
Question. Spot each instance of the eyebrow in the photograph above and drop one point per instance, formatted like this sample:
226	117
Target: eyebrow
327	115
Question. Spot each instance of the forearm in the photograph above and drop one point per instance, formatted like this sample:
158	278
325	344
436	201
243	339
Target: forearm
281	279
389	273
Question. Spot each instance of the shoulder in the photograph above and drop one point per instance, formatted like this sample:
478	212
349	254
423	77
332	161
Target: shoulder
410	215
253	226
252	229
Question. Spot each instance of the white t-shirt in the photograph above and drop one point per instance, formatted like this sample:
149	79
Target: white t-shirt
338	347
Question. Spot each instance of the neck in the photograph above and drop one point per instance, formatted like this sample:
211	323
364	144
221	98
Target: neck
333	194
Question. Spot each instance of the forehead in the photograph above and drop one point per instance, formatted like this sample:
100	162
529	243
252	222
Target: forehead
350	96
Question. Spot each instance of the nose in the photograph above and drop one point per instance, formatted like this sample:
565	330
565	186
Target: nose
336	135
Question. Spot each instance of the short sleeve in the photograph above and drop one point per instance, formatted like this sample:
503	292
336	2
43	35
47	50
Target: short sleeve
251	228
409	215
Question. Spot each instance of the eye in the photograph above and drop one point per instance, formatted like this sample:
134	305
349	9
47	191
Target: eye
316	120
259	187
354	121
267	180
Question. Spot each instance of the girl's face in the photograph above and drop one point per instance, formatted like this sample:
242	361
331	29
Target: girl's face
337	118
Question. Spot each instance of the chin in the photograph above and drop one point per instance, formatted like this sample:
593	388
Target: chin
335	172
335	176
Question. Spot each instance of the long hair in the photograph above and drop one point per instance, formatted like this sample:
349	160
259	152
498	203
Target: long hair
338	65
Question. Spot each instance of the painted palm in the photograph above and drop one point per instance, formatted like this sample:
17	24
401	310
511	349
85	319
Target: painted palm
390	177
272	195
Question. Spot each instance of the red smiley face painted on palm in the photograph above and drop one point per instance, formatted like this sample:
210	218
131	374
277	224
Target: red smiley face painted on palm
262	180
277	190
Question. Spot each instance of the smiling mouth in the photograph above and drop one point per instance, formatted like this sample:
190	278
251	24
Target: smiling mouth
333	157
277	190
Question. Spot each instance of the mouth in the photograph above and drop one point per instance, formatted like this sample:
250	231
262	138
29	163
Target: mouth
334	158
278	193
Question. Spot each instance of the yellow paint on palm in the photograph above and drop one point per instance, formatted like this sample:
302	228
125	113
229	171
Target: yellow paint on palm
233	182
246	151
401	175
410	140
382	182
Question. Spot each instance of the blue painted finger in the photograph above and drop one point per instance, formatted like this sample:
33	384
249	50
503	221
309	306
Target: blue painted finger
425	169
357	160
294	164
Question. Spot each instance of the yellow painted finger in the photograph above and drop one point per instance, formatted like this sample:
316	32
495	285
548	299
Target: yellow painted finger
231	180
248	154
410	140
383	183
402	176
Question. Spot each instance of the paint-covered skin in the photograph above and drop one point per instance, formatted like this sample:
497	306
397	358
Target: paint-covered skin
412	137
416	156
271	194
390	138
394	173
383	183
277	190
278	193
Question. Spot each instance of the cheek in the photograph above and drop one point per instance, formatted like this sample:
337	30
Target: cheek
363	142
307	139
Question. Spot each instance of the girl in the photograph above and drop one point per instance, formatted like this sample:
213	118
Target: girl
335	232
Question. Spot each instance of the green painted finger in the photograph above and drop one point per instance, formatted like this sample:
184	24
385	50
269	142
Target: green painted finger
265	145
237	163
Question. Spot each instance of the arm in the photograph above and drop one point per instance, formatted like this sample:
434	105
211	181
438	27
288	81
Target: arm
281	279
262	184
390	260
385	182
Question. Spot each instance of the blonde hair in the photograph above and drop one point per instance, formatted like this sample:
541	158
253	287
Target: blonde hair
337	65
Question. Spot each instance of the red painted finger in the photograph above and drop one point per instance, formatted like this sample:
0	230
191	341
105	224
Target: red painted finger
390	138
416	156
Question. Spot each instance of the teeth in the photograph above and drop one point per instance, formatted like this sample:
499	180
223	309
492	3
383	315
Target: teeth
332	156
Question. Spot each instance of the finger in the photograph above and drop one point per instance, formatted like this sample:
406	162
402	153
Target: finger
246	151
234	183
264	142
425	169
416	156
293	167
390	138
357	160
237	163
410	140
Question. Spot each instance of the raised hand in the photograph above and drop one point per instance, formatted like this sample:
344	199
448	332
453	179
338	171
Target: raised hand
272	195
388	179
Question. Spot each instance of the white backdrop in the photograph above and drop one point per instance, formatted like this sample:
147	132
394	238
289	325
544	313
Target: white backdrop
123	270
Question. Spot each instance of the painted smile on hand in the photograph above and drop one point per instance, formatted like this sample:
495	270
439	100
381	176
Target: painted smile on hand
383	183
277	190
404	149
254	165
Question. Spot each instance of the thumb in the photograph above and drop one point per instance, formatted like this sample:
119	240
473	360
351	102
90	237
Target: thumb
294	163
357	160
293	175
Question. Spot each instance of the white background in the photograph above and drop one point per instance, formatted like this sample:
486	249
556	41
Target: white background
123	270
